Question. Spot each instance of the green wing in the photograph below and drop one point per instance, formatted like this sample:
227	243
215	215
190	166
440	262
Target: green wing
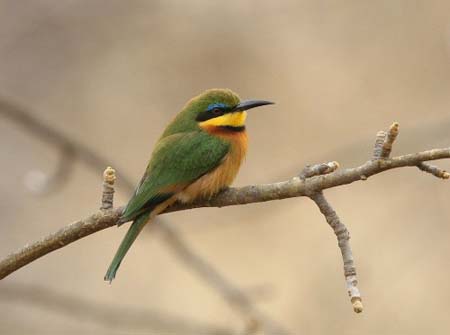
177	161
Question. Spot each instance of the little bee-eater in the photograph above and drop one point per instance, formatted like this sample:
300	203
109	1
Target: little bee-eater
198	154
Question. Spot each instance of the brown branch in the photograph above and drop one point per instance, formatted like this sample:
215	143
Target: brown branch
294	187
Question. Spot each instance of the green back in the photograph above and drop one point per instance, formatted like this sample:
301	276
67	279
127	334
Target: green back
178	159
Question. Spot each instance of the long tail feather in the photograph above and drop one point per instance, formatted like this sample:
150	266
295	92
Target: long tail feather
127	241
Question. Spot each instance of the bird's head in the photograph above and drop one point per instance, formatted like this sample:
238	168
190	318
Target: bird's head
223	108
214	108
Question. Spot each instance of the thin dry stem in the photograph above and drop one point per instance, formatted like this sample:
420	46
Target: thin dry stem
434	170
378	147
389	140
343	237
340	231
109	178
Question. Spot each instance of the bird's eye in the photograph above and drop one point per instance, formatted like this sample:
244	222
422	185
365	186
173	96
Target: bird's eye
216	111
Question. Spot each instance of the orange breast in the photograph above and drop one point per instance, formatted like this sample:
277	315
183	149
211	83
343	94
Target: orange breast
222	176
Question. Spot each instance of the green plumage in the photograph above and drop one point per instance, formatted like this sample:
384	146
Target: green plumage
184	153
126	243
178	159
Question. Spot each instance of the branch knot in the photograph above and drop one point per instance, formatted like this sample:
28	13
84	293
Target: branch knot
318	169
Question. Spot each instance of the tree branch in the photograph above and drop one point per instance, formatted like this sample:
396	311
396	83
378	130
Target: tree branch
294	187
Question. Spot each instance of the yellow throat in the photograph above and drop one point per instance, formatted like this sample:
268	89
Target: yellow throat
236	119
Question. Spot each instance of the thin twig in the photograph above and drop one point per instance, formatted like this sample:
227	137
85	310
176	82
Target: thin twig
343	237
379	142
389	140
340	230
383	147
109	178
434	170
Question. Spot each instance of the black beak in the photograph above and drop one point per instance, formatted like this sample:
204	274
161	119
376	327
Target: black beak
244	105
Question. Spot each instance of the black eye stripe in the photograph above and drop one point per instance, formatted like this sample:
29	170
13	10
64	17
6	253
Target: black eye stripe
212	113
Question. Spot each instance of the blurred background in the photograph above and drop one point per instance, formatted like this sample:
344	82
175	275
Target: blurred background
111	74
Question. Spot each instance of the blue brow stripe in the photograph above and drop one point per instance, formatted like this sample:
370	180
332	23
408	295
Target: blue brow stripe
216	105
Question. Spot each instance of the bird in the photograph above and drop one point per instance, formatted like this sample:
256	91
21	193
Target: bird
198	155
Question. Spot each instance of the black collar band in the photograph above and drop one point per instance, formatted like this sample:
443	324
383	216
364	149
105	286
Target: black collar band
232	129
